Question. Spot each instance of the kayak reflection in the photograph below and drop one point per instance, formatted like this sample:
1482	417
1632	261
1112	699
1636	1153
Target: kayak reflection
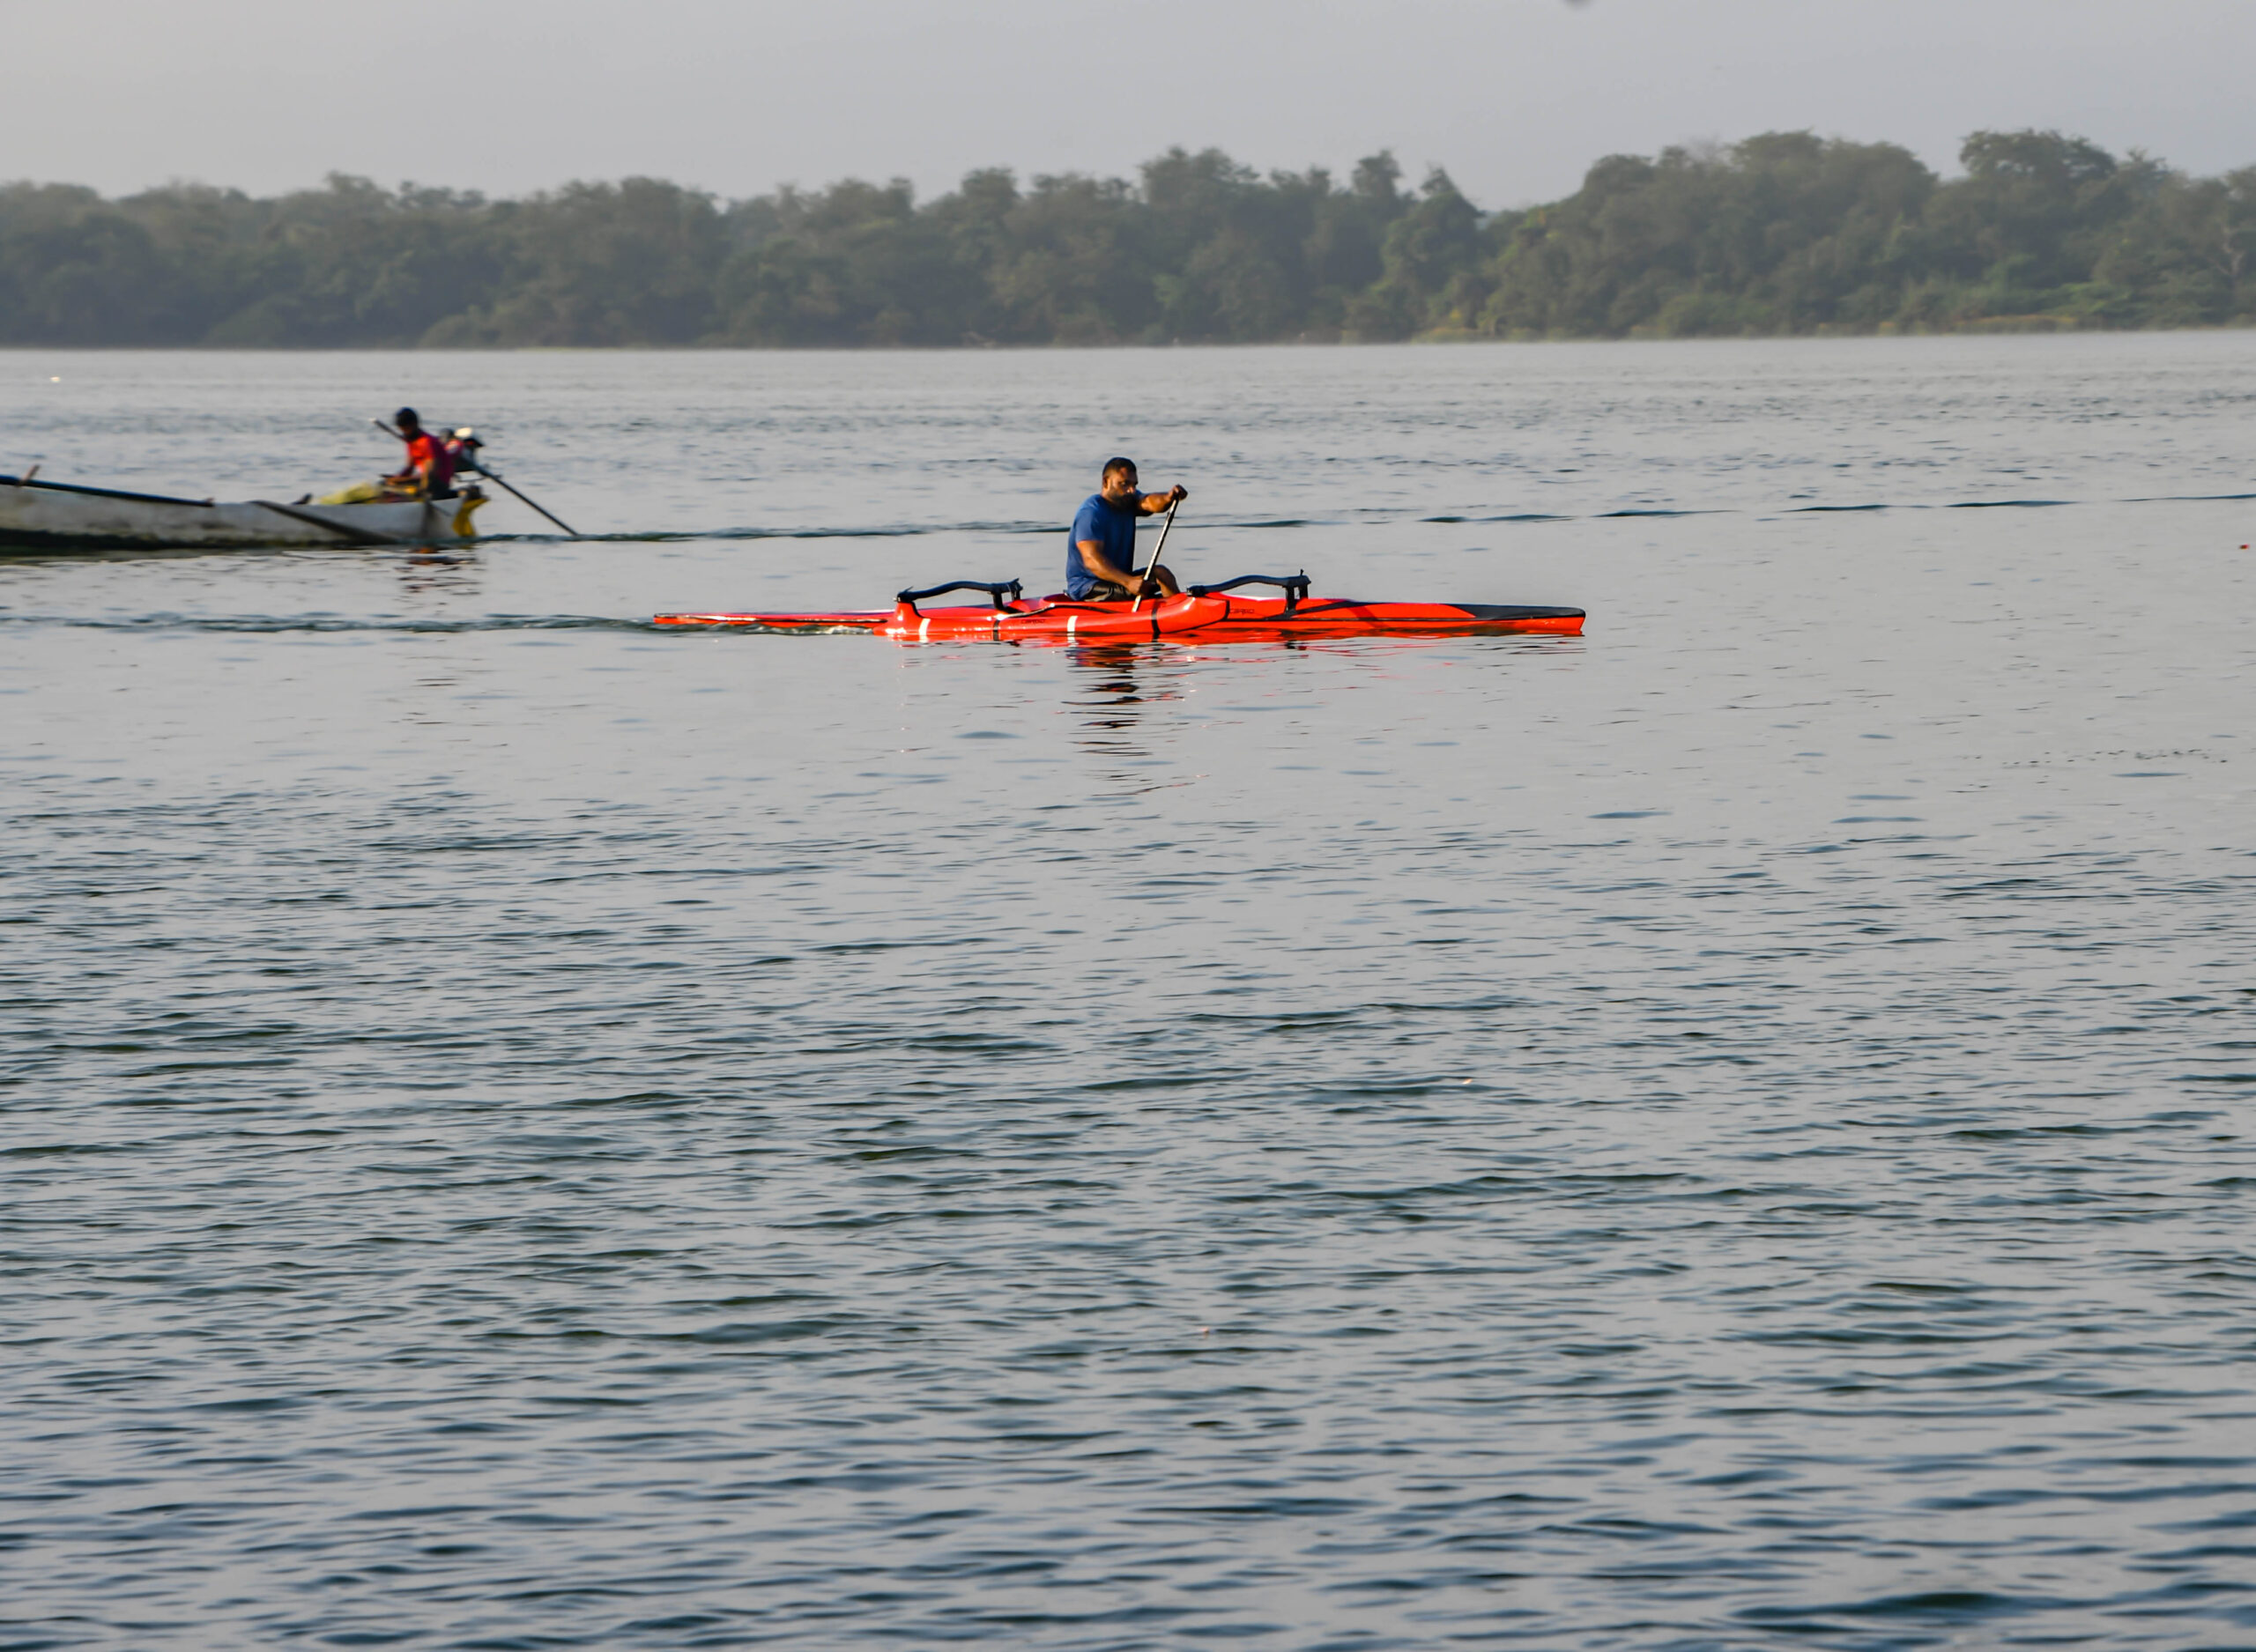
1117	689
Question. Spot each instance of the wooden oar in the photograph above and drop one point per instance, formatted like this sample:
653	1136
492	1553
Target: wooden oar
1164	527
496	477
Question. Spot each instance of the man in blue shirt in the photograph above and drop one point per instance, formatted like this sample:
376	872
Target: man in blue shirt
1100	550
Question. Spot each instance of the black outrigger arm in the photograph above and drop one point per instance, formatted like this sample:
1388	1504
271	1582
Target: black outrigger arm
995	591
1293	585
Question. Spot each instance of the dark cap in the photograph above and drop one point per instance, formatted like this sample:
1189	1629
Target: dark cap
406	416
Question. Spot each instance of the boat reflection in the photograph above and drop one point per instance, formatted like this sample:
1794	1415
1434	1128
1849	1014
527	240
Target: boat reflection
1121	693
427	570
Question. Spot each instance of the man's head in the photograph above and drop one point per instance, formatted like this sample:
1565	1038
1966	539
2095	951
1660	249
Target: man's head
1119	479
406	421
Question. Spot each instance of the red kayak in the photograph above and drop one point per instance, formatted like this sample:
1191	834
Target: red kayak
1204	613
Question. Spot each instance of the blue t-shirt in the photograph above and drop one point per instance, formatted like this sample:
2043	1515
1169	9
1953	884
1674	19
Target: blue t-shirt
1111	527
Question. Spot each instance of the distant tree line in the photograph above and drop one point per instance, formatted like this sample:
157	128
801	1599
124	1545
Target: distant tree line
1786	233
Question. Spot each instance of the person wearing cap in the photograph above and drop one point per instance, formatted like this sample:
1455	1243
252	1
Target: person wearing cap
462	450
1101	546
430	470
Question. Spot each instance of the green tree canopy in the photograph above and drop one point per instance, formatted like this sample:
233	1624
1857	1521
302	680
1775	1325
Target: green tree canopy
1783	232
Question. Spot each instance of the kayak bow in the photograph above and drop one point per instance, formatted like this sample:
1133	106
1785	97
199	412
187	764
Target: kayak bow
1204	613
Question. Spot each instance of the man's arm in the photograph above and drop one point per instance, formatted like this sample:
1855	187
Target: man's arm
1101	566
1153	504
414	467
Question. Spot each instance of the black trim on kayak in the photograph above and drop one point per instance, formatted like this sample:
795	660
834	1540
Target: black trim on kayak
996	589
1500	611
107	493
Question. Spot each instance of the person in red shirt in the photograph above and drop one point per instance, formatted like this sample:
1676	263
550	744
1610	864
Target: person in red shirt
430	469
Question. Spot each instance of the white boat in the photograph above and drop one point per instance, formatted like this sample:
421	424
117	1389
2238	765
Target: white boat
37	516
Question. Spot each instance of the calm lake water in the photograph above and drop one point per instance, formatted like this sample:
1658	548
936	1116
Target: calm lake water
518	1130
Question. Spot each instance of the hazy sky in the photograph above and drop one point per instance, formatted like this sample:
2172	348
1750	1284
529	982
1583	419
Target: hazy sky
1515	97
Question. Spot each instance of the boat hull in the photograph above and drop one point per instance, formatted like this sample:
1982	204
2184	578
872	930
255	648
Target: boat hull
1175	618
52	516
